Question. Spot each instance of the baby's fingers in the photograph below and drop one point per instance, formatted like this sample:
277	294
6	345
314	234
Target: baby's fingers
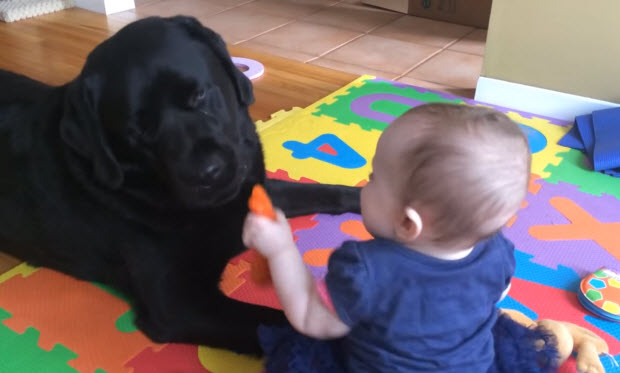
247	235
280	216
250	230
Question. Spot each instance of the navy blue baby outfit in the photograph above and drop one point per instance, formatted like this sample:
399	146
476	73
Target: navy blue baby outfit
409	312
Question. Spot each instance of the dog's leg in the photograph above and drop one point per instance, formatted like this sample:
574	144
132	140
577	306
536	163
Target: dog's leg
188	307
223	323
297	199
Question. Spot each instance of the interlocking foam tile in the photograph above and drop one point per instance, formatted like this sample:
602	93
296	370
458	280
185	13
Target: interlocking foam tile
193	359
80	316
562	277
574	169
275	118
543	138
171	358
22	269
225	361
319	149
373	106
236	280
316	244
322	143
30	357
565	229
242	288
561	225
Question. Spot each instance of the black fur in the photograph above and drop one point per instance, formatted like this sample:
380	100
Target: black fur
137	174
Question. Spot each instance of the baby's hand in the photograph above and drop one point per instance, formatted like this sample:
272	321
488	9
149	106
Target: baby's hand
266	236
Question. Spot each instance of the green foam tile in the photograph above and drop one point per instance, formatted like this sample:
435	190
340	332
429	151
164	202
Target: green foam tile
340	110
125	323
573	170
21	353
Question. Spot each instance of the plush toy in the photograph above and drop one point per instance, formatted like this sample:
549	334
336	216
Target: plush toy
260	204
569	338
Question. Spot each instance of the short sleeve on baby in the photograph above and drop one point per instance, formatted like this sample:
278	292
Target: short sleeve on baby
348	284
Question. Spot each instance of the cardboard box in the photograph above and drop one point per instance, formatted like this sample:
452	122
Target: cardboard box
401	6
466	12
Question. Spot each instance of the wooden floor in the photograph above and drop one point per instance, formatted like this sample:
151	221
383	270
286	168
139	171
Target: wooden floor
52	48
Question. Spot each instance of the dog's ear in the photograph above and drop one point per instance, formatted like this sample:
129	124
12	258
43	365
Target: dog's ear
81	130
215	42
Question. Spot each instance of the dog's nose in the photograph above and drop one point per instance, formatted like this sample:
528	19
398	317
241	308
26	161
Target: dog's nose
212	170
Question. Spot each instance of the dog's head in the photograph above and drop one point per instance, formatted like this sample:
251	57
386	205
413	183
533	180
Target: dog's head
163	97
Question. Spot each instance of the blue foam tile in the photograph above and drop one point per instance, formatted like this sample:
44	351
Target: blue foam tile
510	303
609	365
606	127
561	277
572	139
610	327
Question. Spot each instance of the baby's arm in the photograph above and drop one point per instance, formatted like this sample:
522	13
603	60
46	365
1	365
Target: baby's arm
295	286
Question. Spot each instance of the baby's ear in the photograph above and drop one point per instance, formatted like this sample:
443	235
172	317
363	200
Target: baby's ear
410	225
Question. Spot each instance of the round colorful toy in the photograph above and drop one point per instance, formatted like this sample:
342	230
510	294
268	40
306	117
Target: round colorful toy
600	294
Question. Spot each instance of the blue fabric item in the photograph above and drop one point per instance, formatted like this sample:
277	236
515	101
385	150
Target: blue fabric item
585	125
518	349
288	351
515	350
606	153
572	139
410	312
598	135
615	172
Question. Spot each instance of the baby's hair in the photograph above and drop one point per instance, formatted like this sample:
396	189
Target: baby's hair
469	166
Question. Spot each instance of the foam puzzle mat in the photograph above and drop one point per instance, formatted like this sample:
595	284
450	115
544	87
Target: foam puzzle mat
567	228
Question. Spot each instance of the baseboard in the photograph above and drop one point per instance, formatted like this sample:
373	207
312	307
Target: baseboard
106	6
536	100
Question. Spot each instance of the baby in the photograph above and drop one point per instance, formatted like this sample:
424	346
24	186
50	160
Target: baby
422	295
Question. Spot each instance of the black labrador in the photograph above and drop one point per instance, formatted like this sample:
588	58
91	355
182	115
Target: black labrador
137	174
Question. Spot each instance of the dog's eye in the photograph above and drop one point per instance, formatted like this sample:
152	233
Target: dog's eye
197	98
201	94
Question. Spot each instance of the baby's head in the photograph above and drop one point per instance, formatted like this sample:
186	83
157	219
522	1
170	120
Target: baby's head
463	170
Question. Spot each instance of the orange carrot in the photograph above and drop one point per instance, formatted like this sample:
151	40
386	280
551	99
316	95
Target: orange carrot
260	204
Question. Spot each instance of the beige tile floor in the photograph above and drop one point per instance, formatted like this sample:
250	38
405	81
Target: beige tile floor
343	35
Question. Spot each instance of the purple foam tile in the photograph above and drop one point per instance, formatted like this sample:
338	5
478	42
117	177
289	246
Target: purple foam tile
325	235
361	105
583	256
445	95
